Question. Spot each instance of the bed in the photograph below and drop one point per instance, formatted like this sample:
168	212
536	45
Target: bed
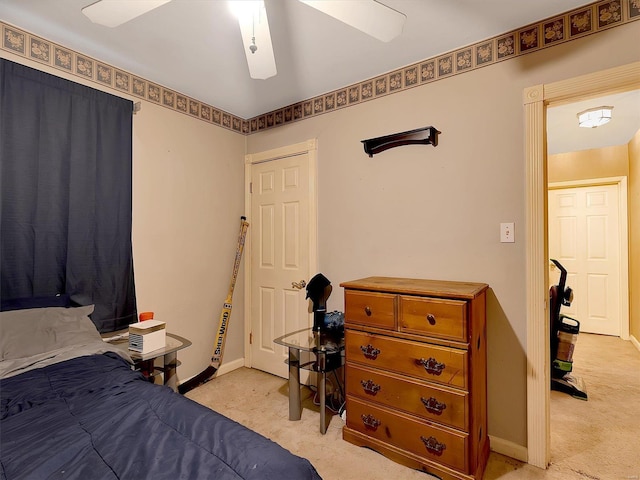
72	407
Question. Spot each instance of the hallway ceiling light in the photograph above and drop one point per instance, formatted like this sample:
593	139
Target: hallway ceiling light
594	117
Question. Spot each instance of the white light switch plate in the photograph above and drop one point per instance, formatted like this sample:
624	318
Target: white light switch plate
507	233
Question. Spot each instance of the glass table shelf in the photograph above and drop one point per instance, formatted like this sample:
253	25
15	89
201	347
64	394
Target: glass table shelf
322	353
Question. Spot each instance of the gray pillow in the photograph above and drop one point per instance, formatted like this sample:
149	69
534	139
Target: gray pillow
24	333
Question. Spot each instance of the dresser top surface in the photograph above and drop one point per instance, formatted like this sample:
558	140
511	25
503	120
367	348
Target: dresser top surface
414	286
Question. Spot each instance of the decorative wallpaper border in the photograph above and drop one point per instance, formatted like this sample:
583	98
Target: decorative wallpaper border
30	46
571	25
553	31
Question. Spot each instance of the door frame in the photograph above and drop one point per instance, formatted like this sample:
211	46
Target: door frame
310	148
535	102
623	235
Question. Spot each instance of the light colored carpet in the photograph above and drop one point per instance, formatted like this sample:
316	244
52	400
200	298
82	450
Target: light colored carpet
594	440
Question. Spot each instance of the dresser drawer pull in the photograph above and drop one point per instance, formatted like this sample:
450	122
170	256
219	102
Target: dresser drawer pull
433	446
370	422
367	310
431	365
433	406
370	387
370	352
431	318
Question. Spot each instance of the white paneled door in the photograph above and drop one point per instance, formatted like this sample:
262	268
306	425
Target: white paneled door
584	236
280	256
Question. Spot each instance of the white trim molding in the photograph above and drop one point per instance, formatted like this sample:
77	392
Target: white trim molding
537	277
228	367
535	101
507	448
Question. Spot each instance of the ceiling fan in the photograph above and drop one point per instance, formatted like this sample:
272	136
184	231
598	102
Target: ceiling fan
369	16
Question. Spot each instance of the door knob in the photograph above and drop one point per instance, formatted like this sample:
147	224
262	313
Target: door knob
299	285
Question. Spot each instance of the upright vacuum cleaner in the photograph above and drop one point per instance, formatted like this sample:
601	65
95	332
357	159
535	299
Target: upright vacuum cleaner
564	334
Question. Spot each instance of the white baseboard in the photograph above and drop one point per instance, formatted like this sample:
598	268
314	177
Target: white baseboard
227	367
510	449
635	342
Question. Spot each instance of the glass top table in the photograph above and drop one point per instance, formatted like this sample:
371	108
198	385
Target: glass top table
167	356
310	340
326	355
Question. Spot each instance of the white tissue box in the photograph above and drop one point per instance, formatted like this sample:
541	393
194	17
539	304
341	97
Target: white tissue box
147	336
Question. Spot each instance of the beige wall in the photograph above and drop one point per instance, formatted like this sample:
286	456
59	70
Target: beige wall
634	237
420	211
586	164
187	204
188	197
414	211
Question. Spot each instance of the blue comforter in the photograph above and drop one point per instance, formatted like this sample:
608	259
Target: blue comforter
93	418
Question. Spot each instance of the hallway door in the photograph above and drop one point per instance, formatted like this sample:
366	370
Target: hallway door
584	236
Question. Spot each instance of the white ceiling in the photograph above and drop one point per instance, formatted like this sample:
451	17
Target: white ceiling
194	46
564	134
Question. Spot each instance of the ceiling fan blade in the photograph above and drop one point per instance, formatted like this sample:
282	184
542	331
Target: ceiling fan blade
112	13
368	16
256	38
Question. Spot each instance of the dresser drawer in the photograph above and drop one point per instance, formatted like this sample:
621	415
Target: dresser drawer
434	317
441	445
447	366
371	309
439	404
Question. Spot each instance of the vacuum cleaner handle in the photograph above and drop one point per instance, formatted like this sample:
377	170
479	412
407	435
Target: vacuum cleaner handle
565	293
563	275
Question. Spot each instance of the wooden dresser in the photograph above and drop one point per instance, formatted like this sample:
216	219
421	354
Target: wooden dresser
416	373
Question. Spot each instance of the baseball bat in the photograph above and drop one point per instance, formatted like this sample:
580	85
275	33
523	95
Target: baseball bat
223	322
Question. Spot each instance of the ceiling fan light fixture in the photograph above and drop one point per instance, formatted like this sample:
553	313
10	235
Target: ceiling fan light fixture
243	9
594	117
369	16
113	13
256	37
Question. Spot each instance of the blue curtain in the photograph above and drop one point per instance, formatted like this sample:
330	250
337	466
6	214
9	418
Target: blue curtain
66	179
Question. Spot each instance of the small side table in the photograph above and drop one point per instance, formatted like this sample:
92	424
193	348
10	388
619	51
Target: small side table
167	356
327	348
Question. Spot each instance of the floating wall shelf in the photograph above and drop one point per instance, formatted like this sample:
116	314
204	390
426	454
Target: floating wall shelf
419	136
